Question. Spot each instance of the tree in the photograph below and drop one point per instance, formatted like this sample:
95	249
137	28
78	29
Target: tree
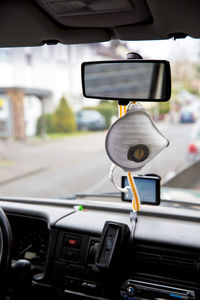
48	124
63	119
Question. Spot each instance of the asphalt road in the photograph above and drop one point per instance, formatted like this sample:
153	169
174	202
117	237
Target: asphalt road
80	165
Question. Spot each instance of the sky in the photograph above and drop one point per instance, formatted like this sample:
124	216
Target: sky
172	50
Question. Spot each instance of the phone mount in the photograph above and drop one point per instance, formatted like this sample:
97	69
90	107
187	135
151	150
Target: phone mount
112	247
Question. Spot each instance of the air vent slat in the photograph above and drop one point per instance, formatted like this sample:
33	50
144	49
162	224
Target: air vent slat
178	262
169	262
148	257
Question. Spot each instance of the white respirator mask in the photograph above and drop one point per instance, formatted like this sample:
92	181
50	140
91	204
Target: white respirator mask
134	140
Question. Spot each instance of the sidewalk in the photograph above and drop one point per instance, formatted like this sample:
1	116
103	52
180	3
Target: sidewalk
21	159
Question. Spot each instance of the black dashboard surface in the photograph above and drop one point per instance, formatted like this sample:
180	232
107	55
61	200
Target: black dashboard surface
62	242
171	225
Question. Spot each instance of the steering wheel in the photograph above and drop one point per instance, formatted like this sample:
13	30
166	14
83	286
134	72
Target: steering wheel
5	250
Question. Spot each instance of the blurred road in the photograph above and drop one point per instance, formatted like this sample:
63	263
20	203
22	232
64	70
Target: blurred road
77	164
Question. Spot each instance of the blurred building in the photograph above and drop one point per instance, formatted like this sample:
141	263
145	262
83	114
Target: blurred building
20	108
56	68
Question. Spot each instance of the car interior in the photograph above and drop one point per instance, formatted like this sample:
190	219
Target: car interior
63	249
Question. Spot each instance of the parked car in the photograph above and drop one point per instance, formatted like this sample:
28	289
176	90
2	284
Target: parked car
189	114
90	120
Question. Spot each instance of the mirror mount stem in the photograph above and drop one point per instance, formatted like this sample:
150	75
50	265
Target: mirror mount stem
123	102
133	55
130	55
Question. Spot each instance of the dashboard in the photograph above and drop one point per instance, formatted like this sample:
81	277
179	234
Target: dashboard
89	254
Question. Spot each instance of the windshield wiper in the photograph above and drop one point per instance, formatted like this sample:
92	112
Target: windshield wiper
99	195
73	197
107	195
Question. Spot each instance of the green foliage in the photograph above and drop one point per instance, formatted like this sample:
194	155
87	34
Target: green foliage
194	91
63	119
63	135
152	110
107	108
197	69
48	124
164	107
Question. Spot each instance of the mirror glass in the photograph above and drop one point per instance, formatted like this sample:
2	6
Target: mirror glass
130	80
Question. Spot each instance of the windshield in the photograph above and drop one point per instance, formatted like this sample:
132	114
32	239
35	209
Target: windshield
52	139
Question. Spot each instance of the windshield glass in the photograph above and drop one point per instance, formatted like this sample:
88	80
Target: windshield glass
52	139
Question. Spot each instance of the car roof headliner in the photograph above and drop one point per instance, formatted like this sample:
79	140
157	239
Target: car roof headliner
28	23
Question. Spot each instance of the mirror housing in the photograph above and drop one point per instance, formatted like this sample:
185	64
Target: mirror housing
136	80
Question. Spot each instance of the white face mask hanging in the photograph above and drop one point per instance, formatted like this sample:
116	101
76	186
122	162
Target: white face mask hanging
134	140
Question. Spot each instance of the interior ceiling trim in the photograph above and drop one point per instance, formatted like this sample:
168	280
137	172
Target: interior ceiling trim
25	23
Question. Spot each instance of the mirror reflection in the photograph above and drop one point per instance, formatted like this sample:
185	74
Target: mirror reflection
126	80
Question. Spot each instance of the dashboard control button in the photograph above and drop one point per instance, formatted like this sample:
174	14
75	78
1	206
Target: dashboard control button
92	286
71	241
70	254
84	284
70	282
130	291
89	285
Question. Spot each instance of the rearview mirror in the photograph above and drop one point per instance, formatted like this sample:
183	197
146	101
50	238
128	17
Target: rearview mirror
143	80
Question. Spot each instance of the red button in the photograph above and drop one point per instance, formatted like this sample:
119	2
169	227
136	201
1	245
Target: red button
72	242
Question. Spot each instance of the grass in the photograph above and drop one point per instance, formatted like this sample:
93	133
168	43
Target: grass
6	163
62	135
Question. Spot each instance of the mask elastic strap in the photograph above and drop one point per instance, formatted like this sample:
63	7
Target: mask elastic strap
111	177
135	195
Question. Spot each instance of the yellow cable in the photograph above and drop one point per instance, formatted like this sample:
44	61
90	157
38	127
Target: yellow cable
134	190
120	111
135	198
125	109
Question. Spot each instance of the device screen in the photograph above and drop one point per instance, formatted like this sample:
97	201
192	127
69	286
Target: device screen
148	189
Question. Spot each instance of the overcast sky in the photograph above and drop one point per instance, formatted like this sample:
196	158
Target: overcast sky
172	50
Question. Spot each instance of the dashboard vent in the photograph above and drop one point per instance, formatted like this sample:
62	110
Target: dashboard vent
148	257
167	262
181	263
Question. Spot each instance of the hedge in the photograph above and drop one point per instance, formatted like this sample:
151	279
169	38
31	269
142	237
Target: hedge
63	120
48	124
107	109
